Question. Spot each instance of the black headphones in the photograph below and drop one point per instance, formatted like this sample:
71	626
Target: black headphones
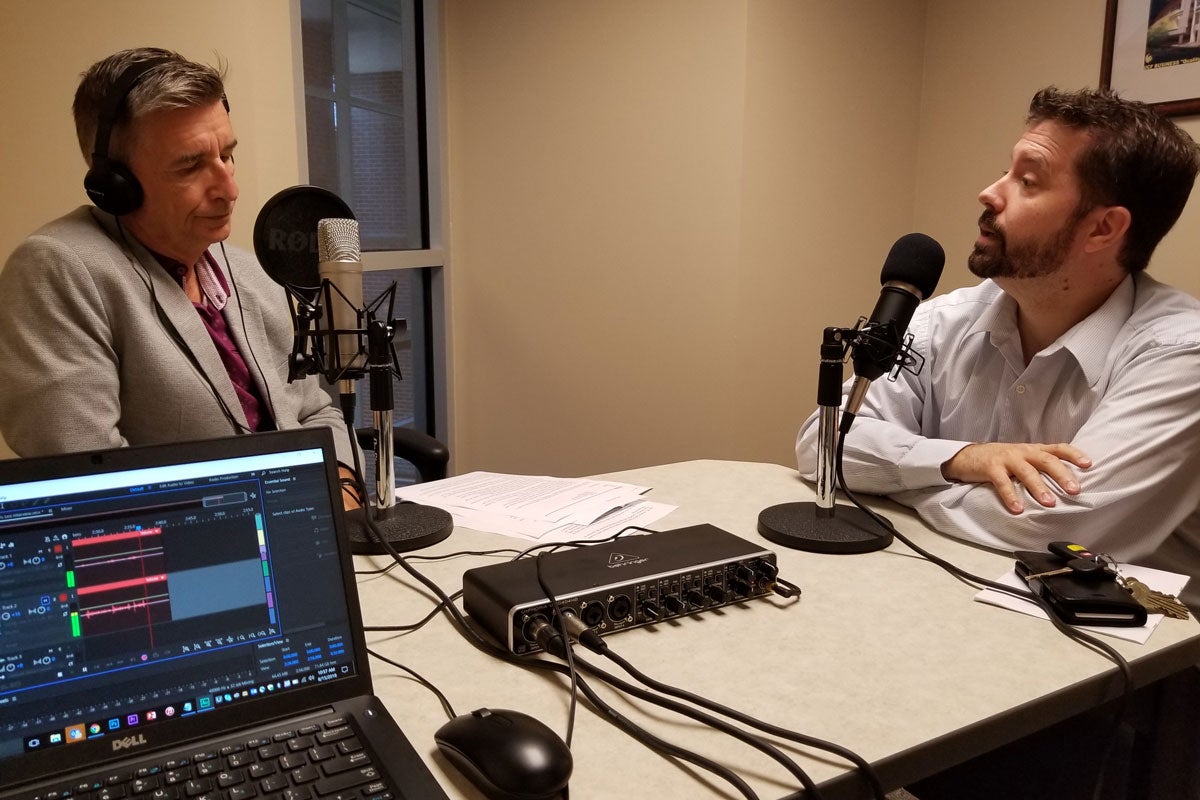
111	185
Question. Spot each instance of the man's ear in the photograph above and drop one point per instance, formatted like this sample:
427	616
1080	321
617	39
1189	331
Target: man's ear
1107	226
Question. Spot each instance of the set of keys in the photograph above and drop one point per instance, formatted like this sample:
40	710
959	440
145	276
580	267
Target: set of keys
1154	602
1087	565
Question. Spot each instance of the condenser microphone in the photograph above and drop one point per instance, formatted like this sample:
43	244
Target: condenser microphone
910	274
340	263
307	241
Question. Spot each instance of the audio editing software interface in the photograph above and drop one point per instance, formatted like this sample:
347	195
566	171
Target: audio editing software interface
132	605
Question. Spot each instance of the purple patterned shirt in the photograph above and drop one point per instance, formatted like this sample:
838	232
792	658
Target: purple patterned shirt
214	294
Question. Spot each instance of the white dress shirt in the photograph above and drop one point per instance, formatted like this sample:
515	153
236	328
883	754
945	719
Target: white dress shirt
1123	386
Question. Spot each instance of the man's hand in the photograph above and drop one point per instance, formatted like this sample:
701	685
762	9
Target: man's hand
998	463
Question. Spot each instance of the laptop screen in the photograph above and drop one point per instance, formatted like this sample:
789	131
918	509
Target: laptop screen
146	588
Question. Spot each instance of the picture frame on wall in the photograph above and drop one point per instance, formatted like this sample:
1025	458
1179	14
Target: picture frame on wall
1152	53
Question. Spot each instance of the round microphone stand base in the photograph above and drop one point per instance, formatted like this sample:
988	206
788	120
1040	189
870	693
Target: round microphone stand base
406	526
807	526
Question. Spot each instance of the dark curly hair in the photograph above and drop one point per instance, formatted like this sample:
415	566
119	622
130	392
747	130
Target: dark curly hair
1135	158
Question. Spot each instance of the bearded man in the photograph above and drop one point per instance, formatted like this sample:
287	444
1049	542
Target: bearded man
1060	398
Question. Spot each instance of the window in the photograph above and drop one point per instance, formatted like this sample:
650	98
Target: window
365	89
363	115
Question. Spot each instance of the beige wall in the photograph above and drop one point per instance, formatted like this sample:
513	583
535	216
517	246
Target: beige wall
655	206
831	129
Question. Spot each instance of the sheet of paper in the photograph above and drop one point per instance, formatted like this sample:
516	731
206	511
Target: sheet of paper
642	513
1168	582
538	508
519	527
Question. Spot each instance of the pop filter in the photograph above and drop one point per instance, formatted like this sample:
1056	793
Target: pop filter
285	234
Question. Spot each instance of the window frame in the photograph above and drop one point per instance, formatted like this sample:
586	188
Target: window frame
428	335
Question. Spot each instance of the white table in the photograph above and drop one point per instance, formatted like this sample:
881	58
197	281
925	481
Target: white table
884	653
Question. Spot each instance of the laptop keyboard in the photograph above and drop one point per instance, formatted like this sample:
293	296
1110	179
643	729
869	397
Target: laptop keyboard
324	760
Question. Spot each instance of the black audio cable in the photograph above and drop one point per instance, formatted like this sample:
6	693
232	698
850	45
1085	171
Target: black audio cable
246	333
173	334
607	711
570	626
560	624
553	642
413	626
1070	632
1121	709
556	640
449	709
499	551
552	546
592	640
716	723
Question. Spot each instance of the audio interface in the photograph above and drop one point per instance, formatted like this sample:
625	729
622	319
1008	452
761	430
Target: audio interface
613	586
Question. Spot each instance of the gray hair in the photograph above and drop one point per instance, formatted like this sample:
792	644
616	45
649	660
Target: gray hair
173	83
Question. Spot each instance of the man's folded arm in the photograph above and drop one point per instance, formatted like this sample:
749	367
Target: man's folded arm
1143	440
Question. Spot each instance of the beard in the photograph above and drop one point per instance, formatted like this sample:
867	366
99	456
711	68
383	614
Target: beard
1023	259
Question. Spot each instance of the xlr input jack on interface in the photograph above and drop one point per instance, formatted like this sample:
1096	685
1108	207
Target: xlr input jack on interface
592	614
531	626
619	607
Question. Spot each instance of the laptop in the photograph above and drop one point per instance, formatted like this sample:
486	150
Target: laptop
182	621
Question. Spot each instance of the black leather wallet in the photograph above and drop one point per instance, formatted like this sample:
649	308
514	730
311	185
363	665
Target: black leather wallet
1079	599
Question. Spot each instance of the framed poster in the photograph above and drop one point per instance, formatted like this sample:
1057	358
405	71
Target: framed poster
1152	53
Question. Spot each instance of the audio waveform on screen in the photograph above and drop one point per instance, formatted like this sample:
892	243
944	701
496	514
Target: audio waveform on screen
121	583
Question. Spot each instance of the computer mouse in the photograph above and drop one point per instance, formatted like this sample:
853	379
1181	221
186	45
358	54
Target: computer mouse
506	754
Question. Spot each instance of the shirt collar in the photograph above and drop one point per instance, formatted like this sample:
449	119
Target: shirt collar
1000	315
998	321
1093	338
214	289
1089	341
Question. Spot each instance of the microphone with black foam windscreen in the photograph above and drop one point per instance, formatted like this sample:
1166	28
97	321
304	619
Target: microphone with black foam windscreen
910	275
879	345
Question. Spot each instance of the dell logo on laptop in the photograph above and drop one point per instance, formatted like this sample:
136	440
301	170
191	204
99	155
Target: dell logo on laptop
129	742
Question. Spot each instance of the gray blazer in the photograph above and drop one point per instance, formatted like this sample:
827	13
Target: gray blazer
93	333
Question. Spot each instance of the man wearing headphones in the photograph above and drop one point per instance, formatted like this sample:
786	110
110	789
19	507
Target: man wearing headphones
122	324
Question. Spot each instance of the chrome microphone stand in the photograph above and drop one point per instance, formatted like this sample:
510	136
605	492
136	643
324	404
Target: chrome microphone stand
405	526
823	526
379	345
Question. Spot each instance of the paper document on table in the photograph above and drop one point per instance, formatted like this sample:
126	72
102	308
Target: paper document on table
640	513
1168	582
536	507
